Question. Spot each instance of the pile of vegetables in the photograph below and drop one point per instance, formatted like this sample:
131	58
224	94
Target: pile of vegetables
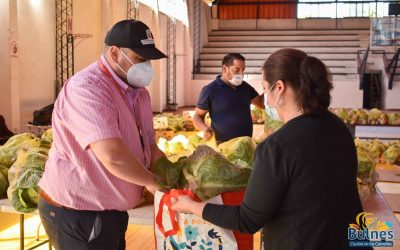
168	121
209	172
180	146
365	117
366	174
257	114
388	152
369	153
22	161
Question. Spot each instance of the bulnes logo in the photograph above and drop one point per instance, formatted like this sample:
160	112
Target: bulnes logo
369	231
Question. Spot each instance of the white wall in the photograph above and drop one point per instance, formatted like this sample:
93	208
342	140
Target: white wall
5	69
87	20
36	61
390	98
346	94
27	81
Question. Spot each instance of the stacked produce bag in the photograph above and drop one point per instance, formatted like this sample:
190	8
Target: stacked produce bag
22	161
257	114
365	117
168	121
369	153
209	171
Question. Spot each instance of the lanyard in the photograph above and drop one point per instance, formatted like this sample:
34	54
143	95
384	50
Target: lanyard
137	121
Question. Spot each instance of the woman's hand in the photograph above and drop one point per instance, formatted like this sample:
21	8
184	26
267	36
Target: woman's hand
185	204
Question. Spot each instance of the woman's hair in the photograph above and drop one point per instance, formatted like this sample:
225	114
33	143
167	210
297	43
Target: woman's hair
307	75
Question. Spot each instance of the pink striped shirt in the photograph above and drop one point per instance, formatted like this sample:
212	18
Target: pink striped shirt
89	108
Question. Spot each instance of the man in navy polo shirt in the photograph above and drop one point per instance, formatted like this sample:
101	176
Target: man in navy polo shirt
228	100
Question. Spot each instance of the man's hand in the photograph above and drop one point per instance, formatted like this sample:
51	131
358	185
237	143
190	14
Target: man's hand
152	188
208	133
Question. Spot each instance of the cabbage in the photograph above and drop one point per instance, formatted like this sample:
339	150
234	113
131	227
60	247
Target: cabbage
394	118
25	197
206	172
376	148
373	116
48	135
239	150
366	162
367	175
168	121
343	115
26	161
209	174
392	154
8	152
271	125
194	141
362	117
168	174
3	181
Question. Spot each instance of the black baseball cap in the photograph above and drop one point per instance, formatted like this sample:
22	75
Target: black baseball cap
136	36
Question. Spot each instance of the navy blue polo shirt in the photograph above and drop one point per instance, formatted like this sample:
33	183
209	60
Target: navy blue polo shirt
229	108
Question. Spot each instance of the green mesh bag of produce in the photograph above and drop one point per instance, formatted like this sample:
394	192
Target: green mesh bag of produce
8	152
48	135
3	181
392	154
23	177
367	176
25	196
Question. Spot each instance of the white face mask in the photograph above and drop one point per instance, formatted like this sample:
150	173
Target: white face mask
139	74
271	112
236	80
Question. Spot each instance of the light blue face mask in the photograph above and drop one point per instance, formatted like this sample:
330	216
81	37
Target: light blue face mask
271	112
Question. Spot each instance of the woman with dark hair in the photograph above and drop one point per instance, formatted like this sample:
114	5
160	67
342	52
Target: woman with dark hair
303	189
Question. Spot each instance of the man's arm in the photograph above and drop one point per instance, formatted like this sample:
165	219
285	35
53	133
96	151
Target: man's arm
122	163
199	123
258	101
156	154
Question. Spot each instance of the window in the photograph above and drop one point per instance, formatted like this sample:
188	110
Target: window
342	8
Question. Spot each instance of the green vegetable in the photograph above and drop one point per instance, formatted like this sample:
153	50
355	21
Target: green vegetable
25	196
209	173
168	121
376	148
25	173
168	174
343	115
392	154
8	152
366	163
373	116
194	141
3	181
239	150
394	118
48	135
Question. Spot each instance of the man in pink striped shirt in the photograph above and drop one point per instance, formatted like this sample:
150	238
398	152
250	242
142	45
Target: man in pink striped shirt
103	144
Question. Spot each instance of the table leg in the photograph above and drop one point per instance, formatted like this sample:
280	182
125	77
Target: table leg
21	231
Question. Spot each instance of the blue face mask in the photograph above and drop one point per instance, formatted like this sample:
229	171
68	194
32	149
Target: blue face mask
271	112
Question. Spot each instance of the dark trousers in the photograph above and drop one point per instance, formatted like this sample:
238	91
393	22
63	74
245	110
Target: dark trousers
76	230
